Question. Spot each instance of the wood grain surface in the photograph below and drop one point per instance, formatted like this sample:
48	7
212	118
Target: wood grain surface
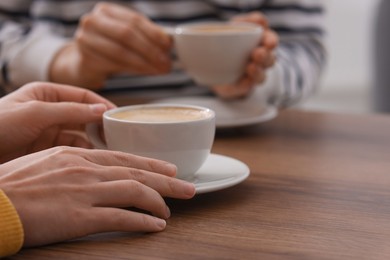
319	188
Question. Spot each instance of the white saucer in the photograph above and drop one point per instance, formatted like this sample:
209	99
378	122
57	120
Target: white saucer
229	113
219	172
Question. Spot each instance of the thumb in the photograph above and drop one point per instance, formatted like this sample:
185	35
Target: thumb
72	113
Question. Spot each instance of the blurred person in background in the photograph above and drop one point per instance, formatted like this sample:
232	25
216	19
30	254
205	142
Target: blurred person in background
88	43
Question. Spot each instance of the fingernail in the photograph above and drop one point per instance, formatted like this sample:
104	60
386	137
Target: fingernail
98	108
172	168
189	189
161	223
168	212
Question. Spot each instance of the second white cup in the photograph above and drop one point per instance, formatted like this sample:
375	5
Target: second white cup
215	53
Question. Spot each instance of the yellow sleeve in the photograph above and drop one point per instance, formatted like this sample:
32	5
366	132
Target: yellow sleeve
11	229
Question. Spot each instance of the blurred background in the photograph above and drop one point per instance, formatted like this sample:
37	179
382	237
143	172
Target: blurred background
347	83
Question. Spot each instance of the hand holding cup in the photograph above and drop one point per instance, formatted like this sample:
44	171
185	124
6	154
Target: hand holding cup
180	134
230	57
262	58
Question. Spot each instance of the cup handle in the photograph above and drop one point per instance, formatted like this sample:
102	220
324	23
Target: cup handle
92	131
169	30
176	63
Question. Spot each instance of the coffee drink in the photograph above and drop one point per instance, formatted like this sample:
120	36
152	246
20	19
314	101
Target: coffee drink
177	133
162	114
223	28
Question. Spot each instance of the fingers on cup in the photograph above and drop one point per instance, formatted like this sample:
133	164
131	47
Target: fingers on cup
116	55
122	43
129	16
138	33
270	39
253	17
240	90
263	57
115	158
166	186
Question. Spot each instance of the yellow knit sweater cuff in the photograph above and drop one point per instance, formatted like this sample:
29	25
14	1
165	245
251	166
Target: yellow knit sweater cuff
11	229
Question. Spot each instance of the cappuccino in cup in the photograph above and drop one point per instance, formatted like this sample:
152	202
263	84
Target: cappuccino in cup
162	114
217	28
179	134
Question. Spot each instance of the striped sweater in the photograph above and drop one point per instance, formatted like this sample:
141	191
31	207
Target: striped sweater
32	31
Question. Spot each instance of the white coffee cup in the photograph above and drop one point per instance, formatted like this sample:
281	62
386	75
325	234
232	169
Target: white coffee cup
180	134
215	53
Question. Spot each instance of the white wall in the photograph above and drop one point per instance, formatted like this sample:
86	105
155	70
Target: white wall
346	83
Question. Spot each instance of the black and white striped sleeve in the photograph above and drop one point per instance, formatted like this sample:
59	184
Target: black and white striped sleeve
301	55
26	49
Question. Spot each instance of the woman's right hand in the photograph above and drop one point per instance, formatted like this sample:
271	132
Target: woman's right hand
111	39
64	193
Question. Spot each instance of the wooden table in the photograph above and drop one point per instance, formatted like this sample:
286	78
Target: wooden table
319	189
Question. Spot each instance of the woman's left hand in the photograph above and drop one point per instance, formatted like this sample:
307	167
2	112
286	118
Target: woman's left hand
261	58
